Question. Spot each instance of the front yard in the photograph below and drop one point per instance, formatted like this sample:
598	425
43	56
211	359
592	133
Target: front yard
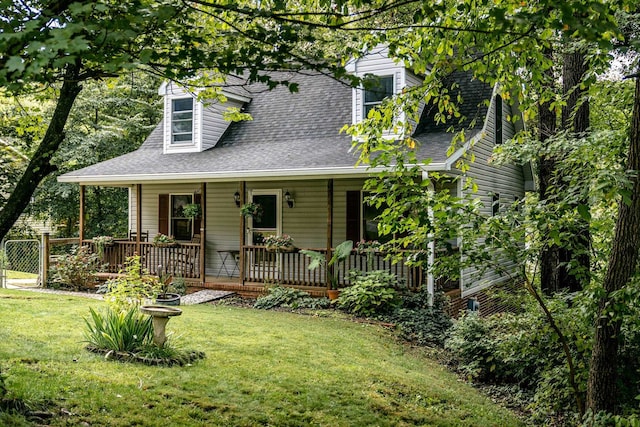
261	368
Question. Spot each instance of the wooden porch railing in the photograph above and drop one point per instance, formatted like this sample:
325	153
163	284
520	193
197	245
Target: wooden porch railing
292	268
181	260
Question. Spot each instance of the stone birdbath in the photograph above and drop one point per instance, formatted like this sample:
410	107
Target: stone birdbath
159	317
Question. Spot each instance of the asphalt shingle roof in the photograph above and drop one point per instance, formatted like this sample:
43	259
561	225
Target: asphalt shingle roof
289	131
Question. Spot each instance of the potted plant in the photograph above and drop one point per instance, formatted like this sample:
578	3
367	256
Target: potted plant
276	243
251	209
191	210
169	294
342	252
162	240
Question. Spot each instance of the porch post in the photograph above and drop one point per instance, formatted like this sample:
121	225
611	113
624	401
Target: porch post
329	221
243	199
432	248
138	218
81	219
203	236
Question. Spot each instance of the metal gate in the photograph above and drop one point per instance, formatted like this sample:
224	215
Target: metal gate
21	263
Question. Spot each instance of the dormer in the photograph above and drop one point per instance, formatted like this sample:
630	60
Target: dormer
392	78
191	126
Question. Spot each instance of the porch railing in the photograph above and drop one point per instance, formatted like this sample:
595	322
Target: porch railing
292	268
182	260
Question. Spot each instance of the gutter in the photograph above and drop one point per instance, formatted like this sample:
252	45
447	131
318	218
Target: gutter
256	175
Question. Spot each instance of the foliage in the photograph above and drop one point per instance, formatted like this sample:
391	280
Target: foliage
280	296
371	293
418	321
341	253
132	287
102	242
119	330
278	242
163	239
178	286
75	271
191	210
251	210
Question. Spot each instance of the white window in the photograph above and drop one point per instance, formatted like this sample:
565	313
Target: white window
374	95
182	121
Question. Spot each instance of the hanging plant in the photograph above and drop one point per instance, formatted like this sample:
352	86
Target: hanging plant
251	209
192	210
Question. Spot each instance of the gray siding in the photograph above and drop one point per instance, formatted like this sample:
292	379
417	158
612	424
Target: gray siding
214	124
506	180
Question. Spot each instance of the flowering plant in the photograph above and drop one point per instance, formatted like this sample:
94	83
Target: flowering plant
163	239
278	241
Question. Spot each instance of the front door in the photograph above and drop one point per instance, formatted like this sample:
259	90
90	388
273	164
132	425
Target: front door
263	263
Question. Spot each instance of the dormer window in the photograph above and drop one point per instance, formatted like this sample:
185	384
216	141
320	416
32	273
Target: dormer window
182	121
373	96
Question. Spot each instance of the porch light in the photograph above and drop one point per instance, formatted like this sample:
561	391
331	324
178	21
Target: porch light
236	198
289	199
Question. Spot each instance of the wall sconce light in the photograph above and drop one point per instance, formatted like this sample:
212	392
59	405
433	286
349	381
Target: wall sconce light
236	198
288	198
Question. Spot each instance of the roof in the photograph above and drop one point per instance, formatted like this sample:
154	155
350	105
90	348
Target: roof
292	135
473	111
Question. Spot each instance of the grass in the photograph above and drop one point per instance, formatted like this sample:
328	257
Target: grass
12	274
262	368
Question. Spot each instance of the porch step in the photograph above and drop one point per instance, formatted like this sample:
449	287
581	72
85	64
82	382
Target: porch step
201	297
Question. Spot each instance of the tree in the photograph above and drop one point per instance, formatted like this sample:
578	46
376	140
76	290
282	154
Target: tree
63	43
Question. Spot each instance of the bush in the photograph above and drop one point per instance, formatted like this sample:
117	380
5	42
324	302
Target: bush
279	296
370	294
420	323
117	330
132	287
75	271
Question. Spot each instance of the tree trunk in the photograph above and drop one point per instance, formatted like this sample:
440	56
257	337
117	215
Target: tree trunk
547	126
601	387
555	273
40	165
575	119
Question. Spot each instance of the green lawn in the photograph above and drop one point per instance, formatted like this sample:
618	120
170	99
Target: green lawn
262	368
12	274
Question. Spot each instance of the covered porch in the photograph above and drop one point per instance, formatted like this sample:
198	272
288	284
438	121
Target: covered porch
227	257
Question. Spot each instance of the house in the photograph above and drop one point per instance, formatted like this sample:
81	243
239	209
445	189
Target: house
293	161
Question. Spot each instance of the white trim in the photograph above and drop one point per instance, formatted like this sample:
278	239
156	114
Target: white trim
266	192
257	175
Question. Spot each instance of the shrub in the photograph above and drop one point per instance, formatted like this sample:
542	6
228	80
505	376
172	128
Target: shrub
420	323
75	271
118	330
371	293
132	287
279	296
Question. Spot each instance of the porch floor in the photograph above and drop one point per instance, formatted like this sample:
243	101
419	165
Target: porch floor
248	289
